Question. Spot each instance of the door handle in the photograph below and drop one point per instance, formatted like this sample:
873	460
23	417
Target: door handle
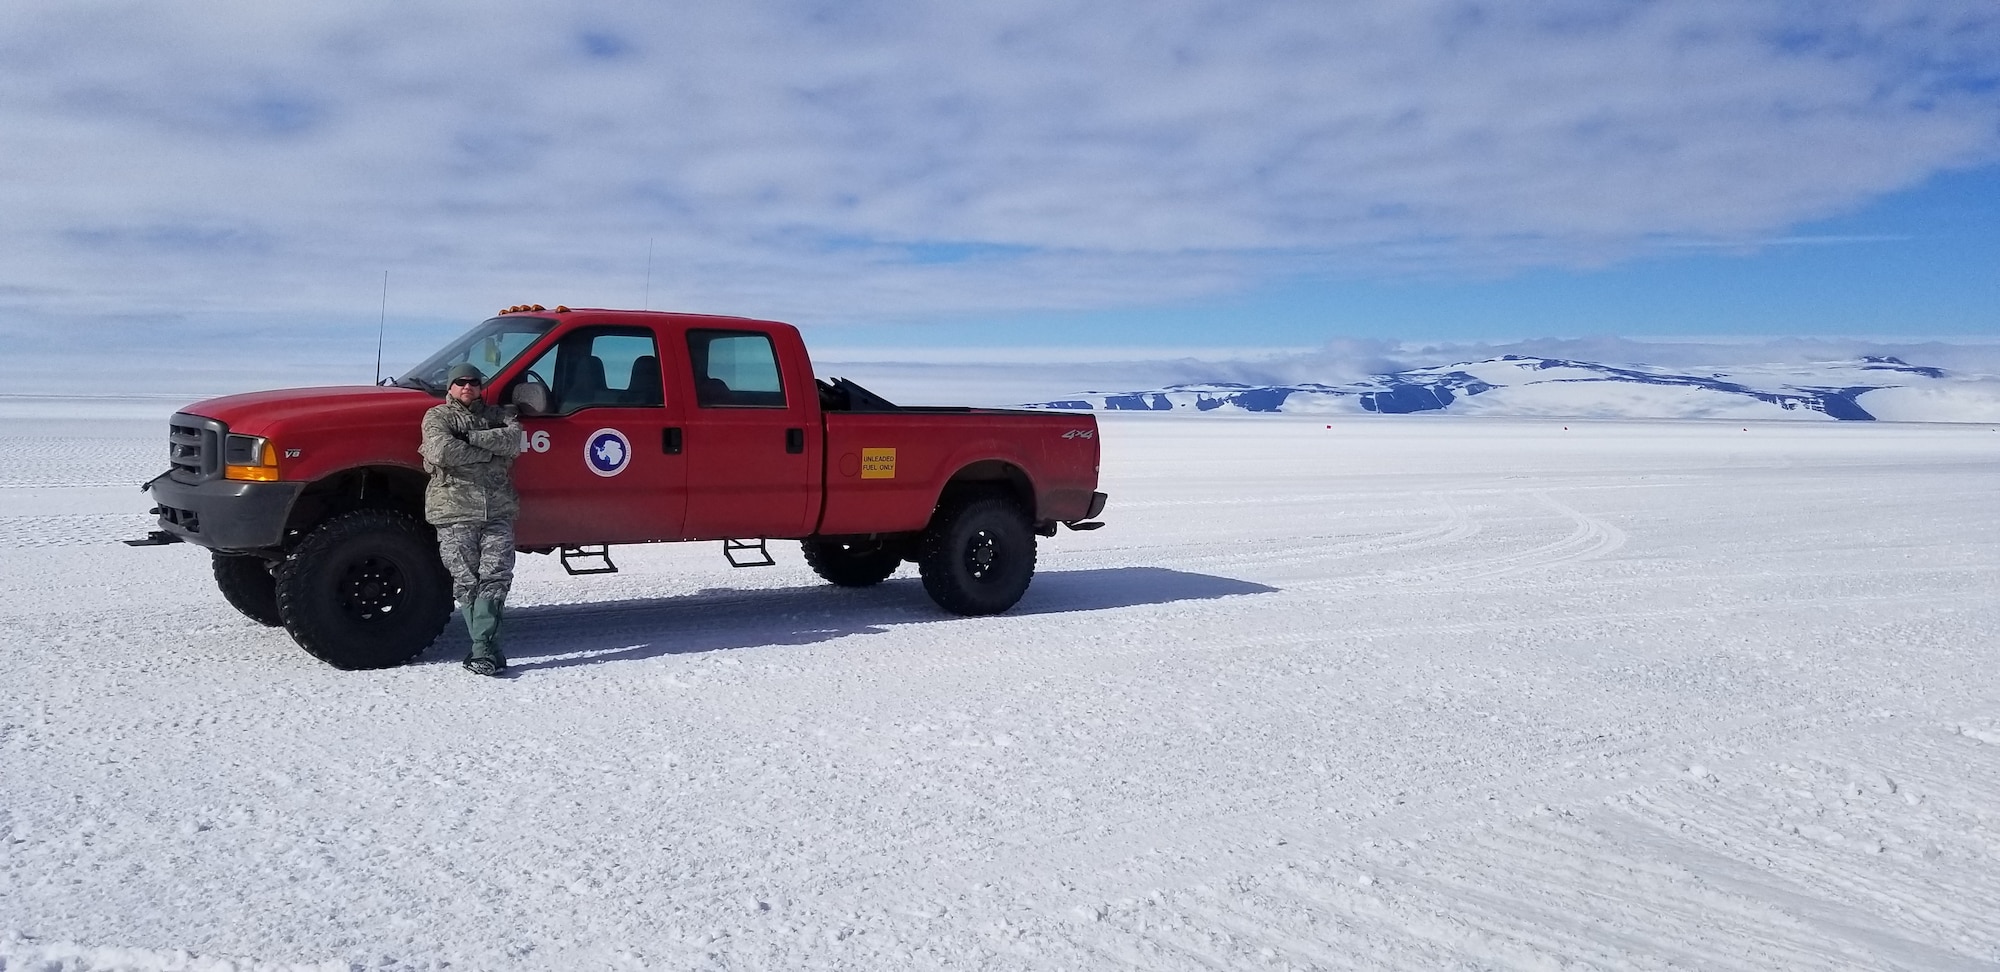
795	441
670	441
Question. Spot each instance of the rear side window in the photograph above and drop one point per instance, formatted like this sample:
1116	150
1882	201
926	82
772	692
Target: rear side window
735	368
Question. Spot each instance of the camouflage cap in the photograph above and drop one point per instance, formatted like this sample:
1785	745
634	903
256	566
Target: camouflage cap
463	369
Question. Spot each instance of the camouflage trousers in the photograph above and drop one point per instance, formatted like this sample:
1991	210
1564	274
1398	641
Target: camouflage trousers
479	557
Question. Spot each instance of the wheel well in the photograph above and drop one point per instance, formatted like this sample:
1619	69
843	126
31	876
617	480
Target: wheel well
991	475
364	488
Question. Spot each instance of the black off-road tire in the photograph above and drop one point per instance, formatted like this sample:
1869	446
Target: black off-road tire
852	564
978	555
247	585
365	590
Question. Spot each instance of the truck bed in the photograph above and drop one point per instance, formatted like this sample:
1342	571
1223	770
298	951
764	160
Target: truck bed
884	467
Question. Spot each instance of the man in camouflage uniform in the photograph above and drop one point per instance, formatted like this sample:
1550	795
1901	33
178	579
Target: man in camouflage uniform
469	449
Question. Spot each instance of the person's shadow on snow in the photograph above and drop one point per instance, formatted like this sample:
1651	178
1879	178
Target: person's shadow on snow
563	635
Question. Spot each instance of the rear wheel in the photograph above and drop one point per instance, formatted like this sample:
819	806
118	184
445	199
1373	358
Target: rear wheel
852	564
248	586
978	555
365	590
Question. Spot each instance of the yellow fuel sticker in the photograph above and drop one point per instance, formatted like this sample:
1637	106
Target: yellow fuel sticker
878	463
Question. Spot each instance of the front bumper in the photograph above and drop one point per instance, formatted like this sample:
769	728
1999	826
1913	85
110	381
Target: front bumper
225	514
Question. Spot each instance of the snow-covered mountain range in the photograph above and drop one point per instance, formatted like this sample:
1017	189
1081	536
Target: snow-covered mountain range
1864	389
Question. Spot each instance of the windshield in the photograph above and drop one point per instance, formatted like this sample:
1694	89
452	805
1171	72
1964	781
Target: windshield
490	347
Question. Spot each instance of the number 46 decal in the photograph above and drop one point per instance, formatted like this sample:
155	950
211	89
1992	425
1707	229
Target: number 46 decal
538	441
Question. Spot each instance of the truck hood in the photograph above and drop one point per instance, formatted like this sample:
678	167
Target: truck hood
340	406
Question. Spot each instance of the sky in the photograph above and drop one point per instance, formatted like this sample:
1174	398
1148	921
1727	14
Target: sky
1097	179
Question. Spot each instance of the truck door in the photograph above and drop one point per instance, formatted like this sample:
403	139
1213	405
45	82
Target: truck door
604	465
753	451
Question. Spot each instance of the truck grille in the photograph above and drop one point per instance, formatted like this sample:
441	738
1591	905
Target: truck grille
194	447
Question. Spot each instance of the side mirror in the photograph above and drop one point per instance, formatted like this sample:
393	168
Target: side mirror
532	397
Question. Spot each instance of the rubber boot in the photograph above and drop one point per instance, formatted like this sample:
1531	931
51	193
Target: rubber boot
498	608
482	622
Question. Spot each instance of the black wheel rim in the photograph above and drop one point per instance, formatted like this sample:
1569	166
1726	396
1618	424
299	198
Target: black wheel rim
982	556
371	588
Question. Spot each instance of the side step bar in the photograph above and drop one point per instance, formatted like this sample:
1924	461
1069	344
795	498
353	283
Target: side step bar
747	553
595	559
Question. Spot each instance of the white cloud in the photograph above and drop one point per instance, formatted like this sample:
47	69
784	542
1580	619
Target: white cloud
860	160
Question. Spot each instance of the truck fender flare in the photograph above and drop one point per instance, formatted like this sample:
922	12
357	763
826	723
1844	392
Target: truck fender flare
386	484
989	473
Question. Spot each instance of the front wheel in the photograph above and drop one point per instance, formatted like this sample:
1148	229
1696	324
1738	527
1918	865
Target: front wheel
978	555
248	586
852	564
365	590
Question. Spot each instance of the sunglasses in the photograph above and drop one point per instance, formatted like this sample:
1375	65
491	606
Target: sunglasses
465	381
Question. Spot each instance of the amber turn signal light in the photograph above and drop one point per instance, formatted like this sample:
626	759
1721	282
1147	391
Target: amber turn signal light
250	457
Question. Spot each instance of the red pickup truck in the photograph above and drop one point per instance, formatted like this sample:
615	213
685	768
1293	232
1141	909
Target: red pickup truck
638	427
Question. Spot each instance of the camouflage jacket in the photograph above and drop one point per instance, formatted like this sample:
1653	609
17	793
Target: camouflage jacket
469	452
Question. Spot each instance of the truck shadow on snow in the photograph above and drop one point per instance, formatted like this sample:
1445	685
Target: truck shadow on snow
719	619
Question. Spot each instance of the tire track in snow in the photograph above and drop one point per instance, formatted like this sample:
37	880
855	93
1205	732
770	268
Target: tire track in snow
1589	537
1516	770
1710	873
1511	772
1836	828
73	529
57	463
1576	884
1703	858
1247	552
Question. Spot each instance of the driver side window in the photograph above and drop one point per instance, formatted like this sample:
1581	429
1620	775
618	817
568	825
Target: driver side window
602	366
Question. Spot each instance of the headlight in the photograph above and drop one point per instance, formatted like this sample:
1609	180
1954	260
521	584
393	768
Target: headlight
250	457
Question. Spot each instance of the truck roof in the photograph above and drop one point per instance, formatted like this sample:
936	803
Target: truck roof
687	318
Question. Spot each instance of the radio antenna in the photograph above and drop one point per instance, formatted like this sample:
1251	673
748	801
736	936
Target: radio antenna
381	325
647	304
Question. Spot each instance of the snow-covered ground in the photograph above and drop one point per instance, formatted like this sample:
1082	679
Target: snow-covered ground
1422	693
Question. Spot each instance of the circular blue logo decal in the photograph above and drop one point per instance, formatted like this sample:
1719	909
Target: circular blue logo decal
607	452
